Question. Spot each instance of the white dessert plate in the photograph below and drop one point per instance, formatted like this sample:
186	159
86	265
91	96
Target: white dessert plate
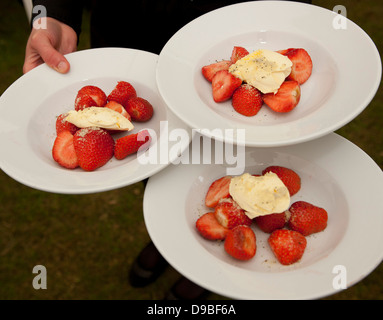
29	108
346	70
336	175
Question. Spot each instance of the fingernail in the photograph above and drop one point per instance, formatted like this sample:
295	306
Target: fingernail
61	67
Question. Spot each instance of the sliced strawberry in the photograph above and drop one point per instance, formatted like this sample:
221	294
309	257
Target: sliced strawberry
94	147
307	218
83	102
286	99
288	246
62	124
139	109
93	92
131	143
210	70
118	108
218	190
247	100
63	151
302	65
289	177
122	92
230	215
224	85
270	222
238	53
208	226
241	243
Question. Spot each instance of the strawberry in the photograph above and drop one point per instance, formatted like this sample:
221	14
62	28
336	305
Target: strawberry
139	109
289	177
94	147
224	85
286	98
63	151
230	215
83	102
122	92
218	190
238	53
307	218
302	64
210	70
247	100
240	243
208	226
130	144
270	222
118	108
288	246
62	124
93	92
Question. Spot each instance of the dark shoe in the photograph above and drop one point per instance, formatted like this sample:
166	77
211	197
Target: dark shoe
147	267
184	289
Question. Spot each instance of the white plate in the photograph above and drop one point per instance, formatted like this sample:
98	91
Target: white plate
29	108
336	175
346	70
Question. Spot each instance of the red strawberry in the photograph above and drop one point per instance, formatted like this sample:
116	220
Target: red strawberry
307	218
62	124
83	102
288	246
270	222
218	190
130	144
241	243
247	100
93	92
210	70
94	147
122	92
289	177
139	109
208	226
118	108
230	215
286	98
224	85
63	151
302	65
238	53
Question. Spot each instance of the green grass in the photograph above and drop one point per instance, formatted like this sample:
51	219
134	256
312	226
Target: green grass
88	242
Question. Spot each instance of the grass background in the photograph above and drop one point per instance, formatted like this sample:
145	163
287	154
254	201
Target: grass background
88	242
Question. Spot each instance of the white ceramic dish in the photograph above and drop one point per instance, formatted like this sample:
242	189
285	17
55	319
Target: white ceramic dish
346	70
29	108
336	175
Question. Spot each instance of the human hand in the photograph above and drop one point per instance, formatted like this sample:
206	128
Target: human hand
49	45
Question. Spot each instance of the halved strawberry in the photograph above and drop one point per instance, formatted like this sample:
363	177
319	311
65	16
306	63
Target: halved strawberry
289	177
247	100
83	102
238	53
218	190
209	228
118	108
62	124
307	218
139	109
210	70
122	92
270	222
224	85
63	151
302	65
131	143
230	214
241	243
286	99
288	246
93	92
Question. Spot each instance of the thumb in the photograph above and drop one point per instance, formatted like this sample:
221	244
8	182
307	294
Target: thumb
52	57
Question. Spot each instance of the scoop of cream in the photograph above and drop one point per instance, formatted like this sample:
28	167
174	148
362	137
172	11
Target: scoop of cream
261	195
99	117
264	69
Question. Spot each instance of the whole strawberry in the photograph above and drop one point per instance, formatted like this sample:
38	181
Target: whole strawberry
94	147
289	177
139	109
307	218
241	243
230	214
122	92
247	100
130	144
288	246
270	222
